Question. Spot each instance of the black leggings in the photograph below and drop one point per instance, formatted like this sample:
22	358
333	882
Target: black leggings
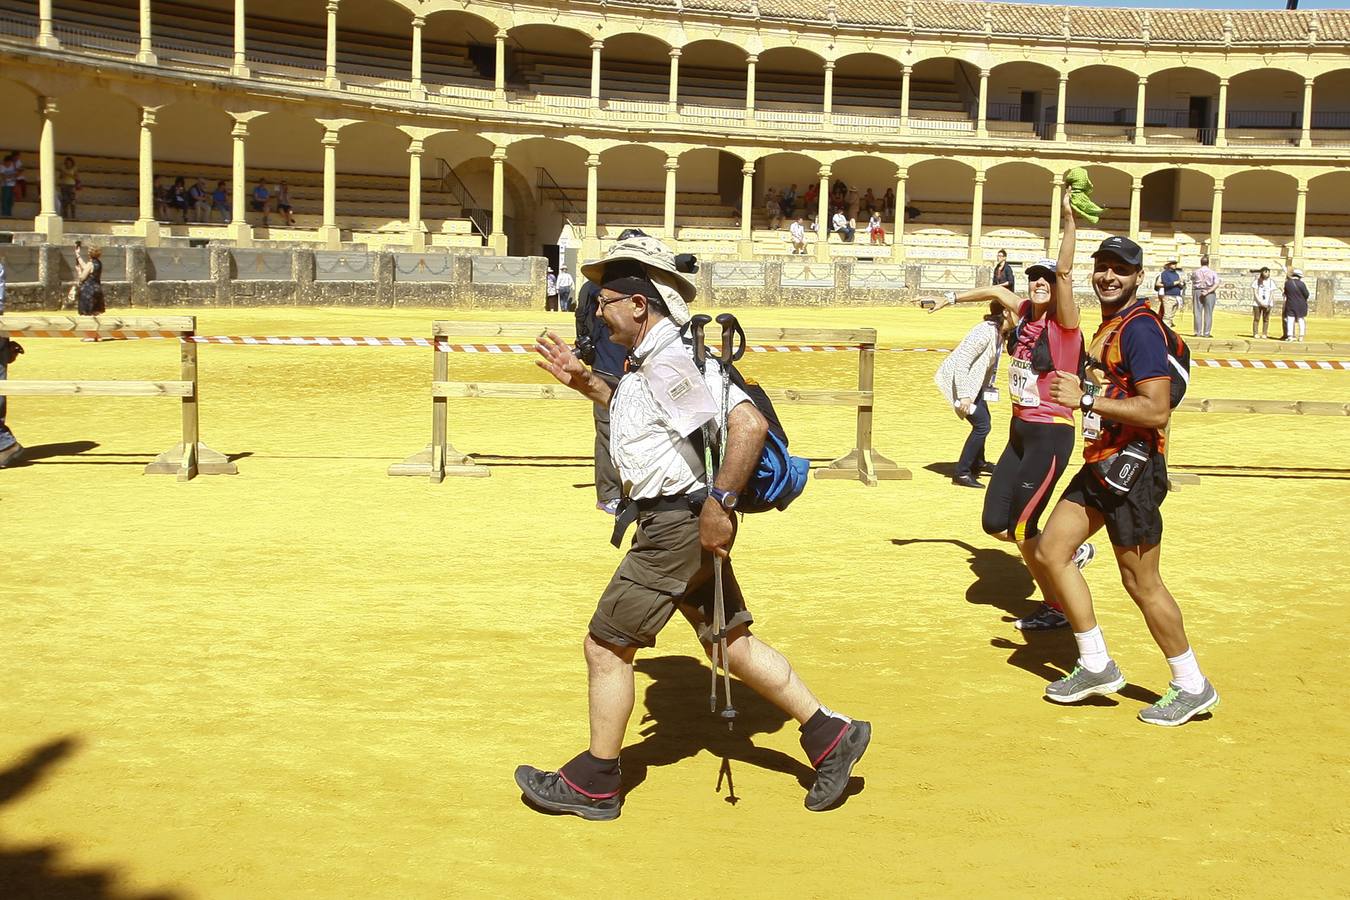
1025	477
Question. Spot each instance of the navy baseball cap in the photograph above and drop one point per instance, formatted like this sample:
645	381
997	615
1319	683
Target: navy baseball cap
1122	248
1044	267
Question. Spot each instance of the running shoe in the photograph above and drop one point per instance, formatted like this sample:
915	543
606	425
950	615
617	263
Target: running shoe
1081	684
1044	618
1085	554
834	770
1177	707
609	507
549	791
11	454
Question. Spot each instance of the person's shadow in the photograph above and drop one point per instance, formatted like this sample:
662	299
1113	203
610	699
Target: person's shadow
678	725
38	871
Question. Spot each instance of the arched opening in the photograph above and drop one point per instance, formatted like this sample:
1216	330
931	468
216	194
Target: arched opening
943	93
867	84
942	191
550	59
1174	209
631	190
1019	94
1111	190
866	180
458	48
557	170
284	146
634	67
192	142
708	189
20	129
457	184
712	73
100	130
290	37
1181	106
372	178
1258	218
782	172
789	78
1099	105
1016	214
1326	243
374	43
115	28
1331	109
1265	109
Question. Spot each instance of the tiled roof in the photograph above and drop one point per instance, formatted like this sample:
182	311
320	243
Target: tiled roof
1043	20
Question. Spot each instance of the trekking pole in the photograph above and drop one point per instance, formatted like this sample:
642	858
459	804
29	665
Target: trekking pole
696	326
729	329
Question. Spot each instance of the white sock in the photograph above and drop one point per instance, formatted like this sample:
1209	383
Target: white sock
1186	672
1092	649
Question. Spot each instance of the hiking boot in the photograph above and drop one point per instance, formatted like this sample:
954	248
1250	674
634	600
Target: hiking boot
11	454
550	791
1085	554
1043	619
1080	684
833	772
1177	707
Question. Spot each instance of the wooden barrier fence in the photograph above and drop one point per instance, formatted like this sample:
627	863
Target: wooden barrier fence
190	457
1251	407
440	458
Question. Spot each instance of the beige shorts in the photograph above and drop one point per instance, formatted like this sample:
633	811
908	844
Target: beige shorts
665	567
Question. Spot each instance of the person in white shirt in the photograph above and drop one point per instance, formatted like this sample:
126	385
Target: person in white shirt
1261	301
966	380
684	517
797	231
565	285
840	226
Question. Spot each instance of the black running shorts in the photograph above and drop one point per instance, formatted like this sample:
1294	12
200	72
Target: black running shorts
1134	519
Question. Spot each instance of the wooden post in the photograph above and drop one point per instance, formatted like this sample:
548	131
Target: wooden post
863	463
439	458
1175	479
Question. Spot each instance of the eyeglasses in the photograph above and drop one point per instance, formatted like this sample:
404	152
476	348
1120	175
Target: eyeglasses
602	302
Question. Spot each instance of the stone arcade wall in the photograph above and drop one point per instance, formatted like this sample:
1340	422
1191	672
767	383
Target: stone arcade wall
40	278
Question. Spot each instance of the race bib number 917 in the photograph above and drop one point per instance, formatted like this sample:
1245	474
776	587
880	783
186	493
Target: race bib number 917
1022	383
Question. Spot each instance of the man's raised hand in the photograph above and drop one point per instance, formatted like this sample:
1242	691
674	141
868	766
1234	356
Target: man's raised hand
560	362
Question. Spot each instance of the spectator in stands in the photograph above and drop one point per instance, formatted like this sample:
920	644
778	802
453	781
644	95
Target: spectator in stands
20	183
812	198
178	198
284	202
840	226
838	187
797	231
1169	291
1003	273
200	199
876	232
889	201
161	196
10	448
789	201
262	200
869	200
551	292
8	175
852	203
1261	302
1204	294
773	208
68	181
565	285
220	202
1295	312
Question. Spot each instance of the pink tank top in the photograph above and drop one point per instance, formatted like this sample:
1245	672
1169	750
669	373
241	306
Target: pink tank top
1031	390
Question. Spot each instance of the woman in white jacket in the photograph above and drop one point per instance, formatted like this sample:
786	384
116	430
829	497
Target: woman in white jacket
964	377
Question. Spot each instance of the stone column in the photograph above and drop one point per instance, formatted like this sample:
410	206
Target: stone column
898	231
981	121
1136	188
240	67
45	37
977	220
1300	223
1062	107
1216	224
829	89
1305	137
1221	123
675	53
146	225
596	47
497	240
329	233
239	227
499	76
592	194
417	23
750	85
147	52
906	72
1140	100
1056	205
823	216
330	77
747	247
48	222
668	223
417	233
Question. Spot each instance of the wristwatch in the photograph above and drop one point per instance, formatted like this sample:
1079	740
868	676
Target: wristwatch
1085	402
727	499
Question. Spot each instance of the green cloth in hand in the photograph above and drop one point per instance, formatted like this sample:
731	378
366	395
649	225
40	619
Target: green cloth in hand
1080	195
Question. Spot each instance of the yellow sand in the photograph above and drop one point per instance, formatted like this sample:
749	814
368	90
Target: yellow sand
314	680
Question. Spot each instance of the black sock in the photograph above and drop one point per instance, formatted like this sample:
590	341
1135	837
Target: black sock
819	735
597	778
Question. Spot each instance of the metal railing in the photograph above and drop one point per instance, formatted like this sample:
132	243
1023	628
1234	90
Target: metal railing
1265	118
11	25
549	187
468	206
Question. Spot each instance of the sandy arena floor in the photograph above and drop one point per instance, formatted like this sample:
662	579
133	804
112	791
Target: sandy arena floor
314	680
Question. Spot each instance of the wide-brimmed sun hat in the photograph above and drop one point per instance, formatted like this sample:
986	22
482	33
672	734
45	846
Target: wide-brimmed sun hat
658	262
